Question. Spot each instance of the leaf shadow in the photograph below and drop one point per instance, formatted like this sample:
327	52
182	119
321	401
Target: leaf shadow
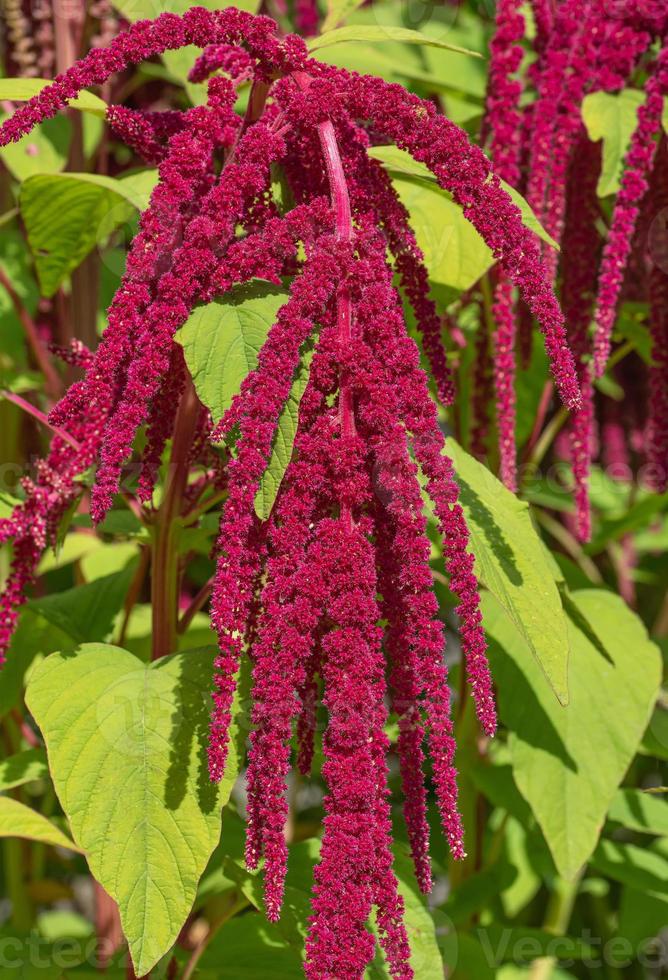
495	538
189	727
522	711
190	719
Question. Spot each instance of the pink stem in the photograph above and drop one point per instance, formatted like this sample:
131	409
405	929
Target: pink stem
40	416
344	232
338	188
52	381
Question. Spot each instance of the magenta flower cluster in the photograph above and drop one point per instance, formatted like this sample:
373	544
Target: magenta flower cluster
581	46
332	596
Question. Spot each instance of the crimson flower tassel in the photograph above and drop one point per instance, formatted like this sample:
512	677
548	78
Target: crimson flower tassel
657	428
581	248
637	167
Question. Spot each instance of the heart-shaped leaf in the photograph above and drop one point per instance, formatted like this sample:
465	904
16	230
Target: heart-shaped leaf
568	762
512	562
66	215
221	343
126	748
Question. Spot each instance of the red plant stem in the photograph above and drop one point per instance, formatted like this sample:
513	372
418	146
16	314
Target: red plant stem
541	412
25	729
164	571
195	606
40	416
51	379
338	188
344	232
107	926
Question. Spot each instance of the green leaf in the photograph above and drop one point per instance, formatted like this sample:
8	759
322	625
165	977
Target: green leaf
454	252
125	743
22	89
632	519
221	343
632	325
511	562
498	785
644	812
478	891
66	215
398	161
569	762
638	867
24	767
611	118
377	34
73	549
283	442
655	739
18	820
87	612
42	151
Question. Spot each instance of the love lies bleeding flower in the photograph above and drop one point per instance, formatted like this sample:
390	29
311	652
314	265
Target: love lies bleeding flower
331	597
539	144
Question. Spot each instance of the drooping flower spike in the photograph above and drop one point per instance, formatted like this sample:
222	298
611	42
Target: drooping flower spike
581	248
503	120
657	422
635	181
302	589
581	46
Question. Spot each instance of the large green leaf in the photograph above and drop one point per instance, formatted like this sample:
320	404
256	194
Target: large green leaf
18	820
511	562
22	89
641	916
281	452
376	34
125	743
250	947
66	215
611	118
454	252
569	762
221	343
425	955
22	768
